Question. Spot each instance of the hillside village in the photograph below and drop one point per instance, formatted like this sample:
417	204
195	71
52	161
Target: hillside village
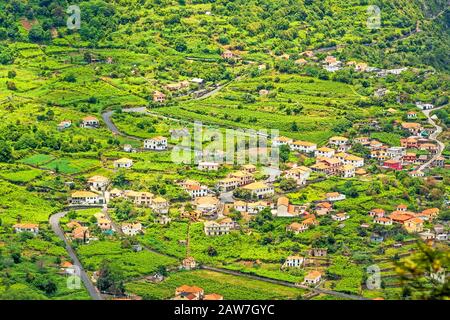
107	195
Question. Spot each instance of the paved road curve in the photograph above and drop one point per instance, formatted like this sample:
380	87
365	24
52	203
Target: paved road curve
54	222
433	137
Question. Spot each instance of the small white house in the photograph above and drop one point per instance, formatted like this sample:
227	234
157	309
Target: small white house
303	146
280	141
340	216
196	191
160	205
293	262
157	143
132	229
26	227
90	122
123	163
98	182
208	166
312	277
337	141
335	196
260	189
424	106
324	152
85	198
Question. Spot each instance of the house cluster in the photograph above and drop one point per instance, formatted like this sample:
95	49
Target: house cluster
332	159
332	64
158	204
78	232
411	221
299	227
237	179
194	293
396	158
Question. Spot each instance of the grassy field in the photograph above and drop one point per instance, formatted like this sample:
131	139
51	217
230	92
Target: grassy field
133	264
316	106
231	287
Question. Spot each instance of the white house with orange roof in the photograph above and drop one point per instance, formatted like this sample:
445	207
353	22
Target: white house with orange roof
324	152
303	146
124	163
158	143
377	212
243	177
90	122
281	141
196	191
297	228
104	224
414	225
139	198
98	183
347	171
160	205
250	168
228	184
285	209
240	206
334	196
189	293
312	278
208	166
258	206
132	229
340	216
207	205
337	141
383	221
26	227
159	97
85	198
299	174
213	228
64	124
260	189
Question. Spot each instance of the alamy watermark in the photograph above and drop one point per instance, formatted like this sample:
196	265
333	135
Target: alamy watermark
74	20
74	277
374	17
230	146
373	281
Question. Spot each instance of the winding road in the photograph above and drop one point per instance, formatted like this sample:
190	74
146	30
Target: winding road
434	137
90	287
